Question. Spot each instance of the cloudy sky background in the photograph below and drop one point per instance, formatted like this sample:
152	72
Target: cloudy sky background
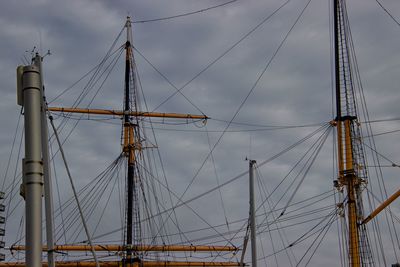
296	89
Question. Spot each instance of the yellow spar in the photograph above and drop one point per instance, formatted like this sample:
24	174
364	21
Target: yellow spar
112	112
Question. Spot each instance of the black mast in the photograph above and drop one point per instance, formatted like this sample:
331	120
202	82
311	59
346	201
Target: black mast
129	150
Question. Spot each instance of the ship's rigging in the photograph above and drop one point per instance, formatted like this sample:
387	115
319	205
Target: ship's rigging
274	214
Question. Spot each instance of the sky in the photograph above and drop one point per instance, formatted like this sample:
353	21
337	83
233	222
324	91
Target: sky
276	74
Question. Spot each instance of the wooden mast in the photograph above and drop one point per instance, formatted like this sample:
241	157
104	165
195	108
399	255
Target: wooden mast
129	150
347	176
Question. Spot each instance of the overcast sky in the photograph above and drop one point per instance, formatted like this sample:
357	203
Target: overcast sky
296	89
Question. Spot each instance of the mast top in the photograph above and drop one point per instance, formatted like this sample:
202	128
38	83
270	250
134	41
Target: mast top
128	26
128	21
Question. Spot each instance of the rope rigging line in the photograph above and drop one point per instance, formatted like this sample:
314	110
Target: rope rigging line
107	201
11	153
75	195
270	126
327	227
312	212
60	208
93	80
173	208
67	204
304	237
108	54
91	200
168	81
108	120
153	157
269	61
388	13
224	53
382	133
184	14
311	233
217	179
289	148
73	214
277	228
310	161
13	186
163	224
88	87
382	156
282	235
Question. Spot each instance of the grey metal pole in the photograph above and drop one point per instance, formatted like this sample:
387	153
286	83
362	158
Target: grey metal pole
48	196
32	166
252	214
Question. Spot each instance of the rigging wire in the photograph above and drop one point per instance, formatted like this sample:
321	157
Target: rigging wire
176	222
388	13
270	126
211	153
287	218
60	208
184	14
382	133
279	154
310	161
75	195
264	127
13	185
168	81
108	54
224	53
217	180
89	86
11	152
382	156
182	204
281	232
327	227
269	61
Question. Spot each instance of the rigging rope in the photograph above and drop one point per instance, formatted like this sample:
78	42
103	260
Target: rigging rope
184	14
388	13
225	52
74	191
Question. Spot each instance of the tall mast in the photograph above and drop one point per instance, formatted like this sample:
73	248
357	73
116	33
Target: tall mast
129	149
349	175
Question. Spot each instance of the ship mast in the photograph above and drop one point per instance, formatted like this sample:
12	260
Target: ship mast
129	146
349	176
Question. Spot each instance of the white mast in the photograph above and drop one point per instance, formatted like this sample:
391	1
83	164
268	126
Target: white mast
30	98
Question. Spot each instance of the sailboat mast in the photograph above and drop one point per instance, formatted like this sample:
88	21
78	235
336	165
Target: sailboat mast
129	149
127	127
344	120
337	82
